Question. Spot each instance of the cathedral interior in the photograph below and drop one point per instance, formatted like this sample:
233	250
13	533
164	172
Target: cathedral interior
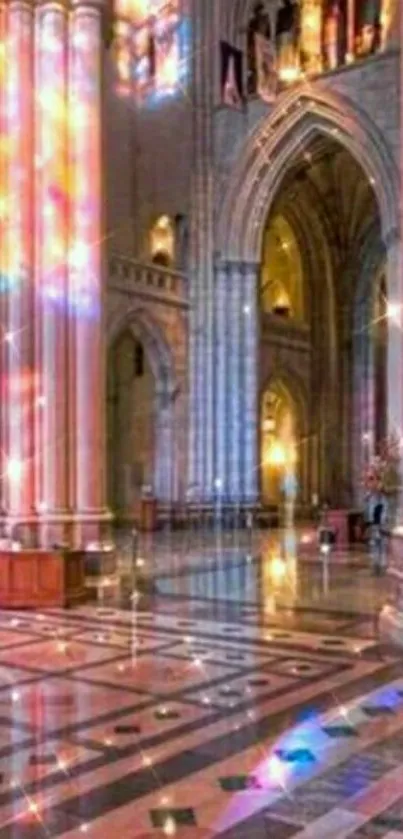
201	414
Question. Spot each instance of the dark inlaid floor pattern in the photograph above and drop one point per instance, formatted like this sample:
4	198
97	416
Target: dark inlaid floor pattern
165	725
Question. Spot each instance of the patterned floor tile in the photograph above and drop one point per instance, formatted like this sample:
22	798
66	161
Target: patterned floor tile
131	639
59	703
57	655
218	654
339	731
302	668
241	689
159	674
153	723
176	818
221	717
55	757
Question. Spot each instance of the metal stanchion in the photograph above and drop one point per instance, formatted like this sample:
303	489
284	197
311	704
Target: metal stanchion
327	541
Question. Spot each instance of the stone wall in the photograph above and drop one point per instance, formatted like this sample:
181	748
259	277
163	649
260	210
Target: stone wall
149	160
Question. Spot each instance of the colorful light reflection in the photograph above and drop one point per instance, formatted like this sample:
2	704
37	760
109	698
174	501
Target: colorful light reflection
151	42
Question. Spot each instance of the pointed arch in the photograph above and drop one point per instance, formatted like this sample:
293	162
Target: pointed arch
269	152
138	322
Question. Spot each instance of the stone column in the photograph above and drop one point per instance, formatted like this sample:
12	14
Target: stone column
4	280
235	384
222	282
86	271
236	392
249	444
19	374
51	252
395	341
201	340
363	397
391	618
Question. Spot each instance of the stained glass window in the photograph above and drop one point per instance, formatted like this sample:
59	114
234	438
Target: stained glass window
150	44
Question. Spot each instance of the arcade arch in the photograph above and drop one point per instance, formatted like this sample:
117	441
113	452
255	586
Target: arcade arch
141	394
323	172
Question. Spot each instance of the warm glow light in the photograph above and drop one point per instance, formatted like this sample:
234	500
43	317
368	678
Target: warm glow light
169	827
278	569
289	74
276	455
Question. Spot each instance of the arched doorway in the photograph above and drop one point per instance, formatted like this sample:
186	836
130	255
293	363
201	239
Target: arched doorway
131	423
320	223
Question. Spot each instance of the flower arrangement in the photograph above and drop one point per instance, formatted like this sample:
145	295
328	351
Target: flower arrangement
383	472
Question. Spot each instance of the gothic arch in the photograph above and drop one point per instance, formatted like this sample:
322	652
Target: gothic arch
269	152
142	326
138	321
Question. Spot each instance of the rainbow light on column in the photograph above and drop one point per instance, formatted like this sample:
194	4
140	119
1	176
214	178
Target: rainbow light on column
85	251
5	279
84	109
51	228
19	247
50	156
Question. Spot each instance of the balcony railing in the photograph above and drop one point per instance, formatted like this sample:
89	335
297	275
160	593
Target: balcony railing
147	278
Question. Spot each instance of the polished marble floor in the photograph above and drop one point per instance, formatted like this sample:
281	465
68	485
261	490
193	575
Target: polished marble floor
221	686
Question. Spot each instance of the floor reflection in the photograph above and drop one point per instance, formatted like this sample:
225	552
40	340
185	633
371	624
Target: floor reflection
226	685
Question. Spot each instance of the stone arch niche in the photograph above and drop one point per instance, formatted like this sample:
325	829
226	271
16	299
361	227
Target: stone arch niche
141	407
302	132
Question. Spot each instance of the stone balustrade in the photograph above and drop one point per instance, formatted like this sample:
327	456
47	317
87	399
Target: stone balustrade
147	278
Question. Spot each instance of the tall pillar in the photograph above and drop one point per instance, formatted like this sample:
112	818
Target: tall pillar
202	477
250	386
19	371
391	618
236	379
234	411
51	301
350	29
85	270
222	284
51	251
4	281
395	345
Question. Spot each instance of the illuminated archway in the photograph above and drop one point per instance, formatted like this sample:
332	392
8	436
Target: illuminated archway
281	437
281	281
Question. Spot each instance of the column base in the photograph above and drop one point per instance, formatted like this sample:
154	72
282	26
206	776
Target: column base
58	528
92	528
